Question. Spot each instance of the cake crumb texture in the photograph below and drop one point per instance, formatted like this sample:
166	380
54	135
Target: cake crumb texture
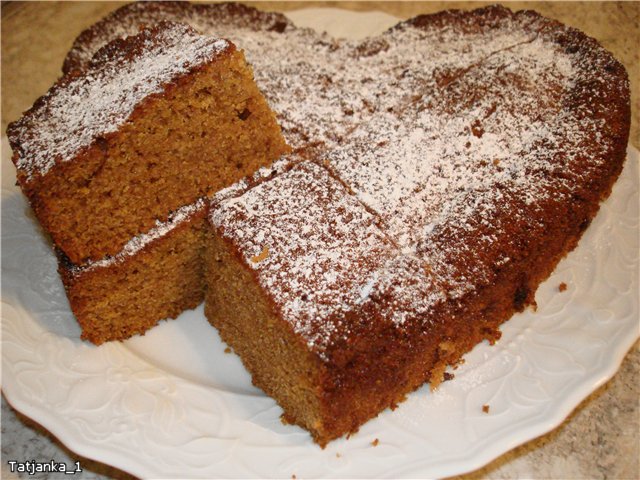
127	295
437	182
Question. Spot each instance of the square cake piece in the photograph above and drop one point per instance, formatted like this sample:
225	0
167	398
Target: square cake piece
154	122
319	302
156	276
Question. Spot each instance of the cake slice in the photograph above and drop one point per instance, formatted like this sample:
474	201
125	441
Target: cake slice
318	302
155	122
156	276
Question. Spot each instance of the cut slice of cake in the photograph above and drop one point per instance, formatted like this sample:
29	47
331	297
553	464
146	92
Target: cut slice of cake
318	302
156	276
155	121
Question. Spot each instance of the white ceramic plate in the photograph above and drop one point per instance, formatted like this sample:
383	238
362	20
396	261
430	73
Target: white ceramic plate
173	404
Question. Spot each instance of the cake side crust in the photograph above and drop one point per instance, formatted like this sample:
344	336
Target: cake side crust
278	360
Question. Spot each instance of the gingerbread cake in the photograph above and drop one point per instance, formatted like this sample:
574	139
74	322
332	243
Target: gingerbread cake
445	167
475	193
157	275
477	188
152	123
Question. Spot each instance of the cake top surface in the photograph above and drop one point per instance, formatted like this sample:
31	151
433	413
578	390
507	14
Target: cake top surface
83	106
322	88
320	255
127	20
484	154
508	132
316	98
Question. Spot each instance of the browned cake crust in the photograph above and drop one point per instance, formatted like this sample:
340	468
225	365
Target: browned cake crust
453	182
153	123
128	19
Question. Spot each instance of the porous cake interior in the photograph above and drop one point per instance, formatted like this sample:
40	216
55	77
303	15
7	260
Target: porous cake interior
430	226
205	132
128	298
279	361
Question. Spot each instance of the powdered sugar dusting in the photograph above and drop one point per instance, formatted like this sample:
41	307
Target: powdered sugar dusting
127	21
310	226
443	141
451	172
83	108
326	259
497	135
263	173
315	97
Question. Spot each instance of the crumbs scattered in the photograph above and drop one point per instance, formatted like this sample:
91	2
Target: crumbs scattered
293	476
562	287
448	376
228	350
485	408
338	454
375	442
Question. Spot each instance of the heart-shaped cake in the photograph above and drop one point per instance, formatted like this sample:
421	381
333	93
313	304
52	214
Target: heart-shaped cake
441	171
